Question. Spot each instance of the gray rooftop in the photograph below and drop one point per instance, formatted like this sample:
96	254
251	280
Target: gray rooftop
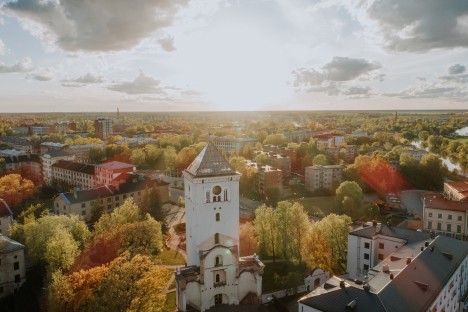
210	163
57	153
410	236
9	245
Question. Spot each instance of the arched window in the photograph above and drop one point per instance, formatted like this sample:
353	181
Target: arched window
217	278
219	261
218	216
216	238
226	195
214	199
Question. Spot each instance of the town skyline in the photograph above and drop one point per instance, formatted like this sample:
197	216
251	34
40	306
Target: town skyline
57	56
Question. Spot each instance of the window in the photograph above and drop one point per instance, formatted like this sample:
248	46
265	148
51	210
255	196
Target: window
429	225
449	228
83	213
226	195
207	196
459	218
109	199
439	216
458	228
218	217
381	245
366	256
381	257
450	217
17	278
16	266
83	205
216	238
217	278
366	245
366	267
219	261
439	226
430	214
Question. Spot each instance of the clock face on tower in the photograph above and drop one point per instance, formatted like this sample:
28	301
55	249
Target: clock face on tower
216	190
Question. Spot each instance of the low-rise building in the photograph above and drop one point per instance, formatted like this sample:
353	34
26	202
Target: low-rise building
323	177
29	165
109	173
329	140
444	216
267	177
82	202
6	217
51	146
81	152
456	190
416	273
74	174
50	158
12	266
350	152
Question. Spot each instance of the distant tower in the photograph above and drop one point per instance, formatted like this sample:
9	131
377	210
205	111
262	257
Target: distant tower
118	114
103	128
215	273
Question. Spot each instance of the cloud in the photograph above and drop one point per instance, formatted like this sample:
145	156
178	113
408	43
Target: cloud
456	69
41	74
345	68
332	77
167	43
82	80
421	25
104	25
24	65
141	85
2	47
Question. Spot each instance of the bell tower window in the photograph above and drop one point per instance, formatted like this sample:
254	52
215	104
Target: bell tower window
216	238
218	217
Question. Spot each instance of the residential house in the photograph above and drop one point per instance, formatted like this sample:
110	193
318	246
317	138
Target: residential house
6	217
12	266
323	177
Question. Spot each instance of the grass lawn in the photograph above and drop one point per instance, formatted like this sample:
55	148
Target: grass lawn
171	257
319	206
170	305
280	268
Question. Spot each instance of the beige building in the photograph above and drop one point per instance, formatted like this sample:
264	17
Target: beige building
103	128
82	202
445	217
74	174
230	144
267	177
81	152
50	158
12	266
456	190
6	217
323	177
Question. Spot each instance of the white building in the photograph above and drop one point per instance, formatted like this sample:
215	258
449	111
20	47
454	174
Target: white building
74	174
50	158
6	217
12	267
215	273
422	274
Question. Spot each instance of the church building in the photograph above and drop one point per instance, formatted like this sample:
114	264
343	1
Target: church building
215	273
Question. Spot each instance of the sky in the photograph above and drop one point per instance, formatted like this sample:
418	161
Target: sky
229	55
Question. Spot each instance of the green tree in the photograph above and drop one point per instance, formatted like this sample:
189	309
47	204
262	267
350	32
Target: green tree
97	154
276	139
321	160
265	226
128	212
349	191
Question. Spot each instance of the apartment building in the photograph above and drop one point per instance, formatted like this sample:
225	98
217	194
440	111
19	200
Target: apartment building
103	128
74	174
82	202
444	216
267	177
329	140
323	177
416	273
81	152
280	161
50	158
12	266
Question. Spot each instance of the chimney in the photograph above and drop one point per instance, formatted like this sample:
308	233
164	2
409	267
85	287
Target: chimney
426	244
408	260
374	223
75	194
386	268
342	284
391	276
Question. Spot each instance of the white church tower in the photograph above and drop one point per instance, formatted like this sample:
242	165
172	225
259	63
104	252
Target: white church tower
215	274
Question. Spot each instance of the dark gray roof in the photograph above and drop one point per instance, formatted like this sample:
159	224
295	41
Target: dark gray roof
21	158
210	163
8	245
57	153
133	184
369	231
414	288
74	166
432	267
330	297
5	210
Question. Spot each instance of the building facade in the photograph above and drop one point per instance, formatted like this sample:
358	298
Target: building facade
108	173
50	158
74	174
230	144
6	217
12	266
215	274
103	128
323	177
456	190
